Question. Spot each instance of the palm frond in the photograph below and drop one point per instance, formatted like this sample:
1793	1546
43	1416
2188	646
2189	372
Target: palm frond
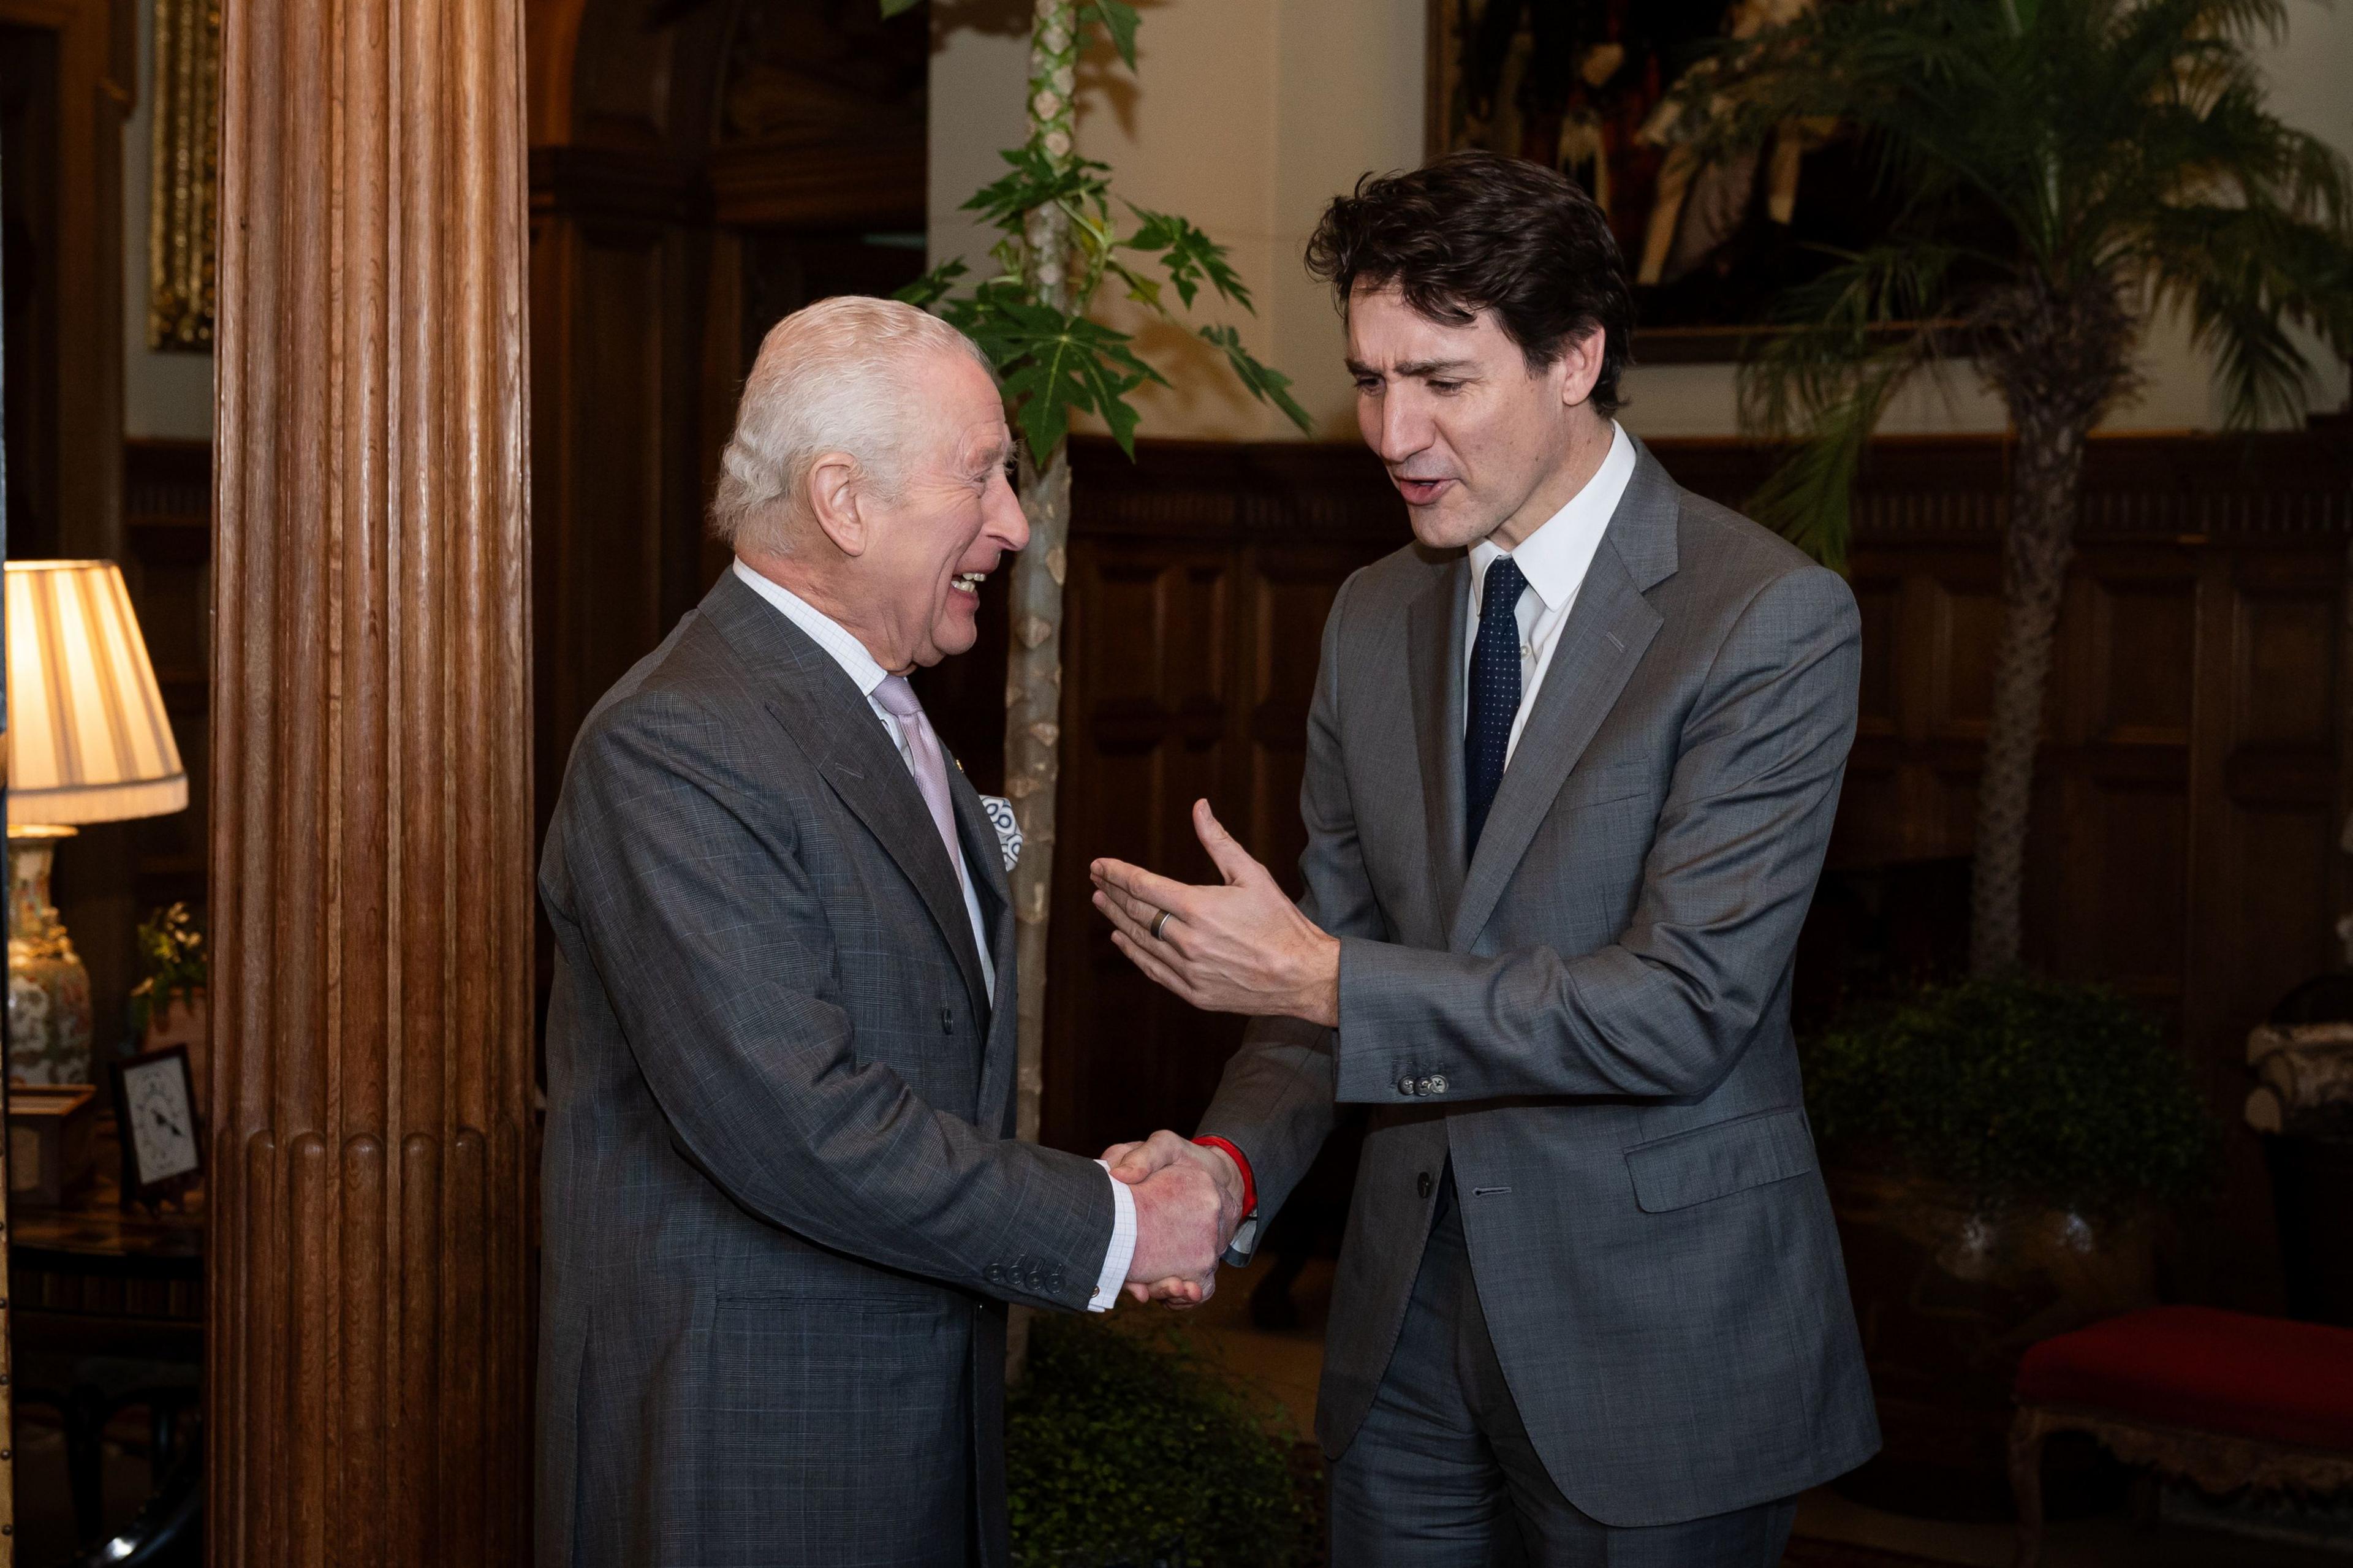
1844	346
2243	273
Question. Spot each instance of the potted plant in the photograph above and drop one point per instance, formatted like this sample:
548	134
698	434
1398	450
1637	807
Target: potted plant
167	1006
2001	1154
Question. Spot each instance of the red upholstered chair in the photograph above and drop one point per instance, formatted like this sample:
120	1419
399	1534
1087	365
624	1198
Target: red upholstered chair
2222	1400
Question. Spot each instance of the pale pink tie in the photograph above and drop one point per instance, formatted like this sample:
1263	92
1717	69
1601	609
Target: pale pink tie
899	700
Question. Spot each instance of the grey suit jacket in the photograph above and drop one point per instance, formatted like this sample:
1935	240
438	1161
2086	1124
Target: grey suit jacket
782	1205
1590	1017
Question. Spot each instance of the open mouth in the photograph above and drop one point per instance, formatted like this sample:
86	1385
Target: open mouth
969	581
1420	492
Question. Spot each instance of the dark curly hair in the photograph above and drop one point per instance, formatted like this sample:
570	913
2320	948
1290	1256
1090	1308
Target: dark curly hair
1477	231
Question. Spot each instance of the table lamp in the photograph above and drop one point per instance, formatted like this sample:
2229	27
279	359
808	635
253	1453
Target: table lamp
88	741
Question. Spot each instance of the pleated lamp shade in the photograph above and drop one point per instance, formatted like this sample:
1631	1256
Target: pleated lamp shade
87	741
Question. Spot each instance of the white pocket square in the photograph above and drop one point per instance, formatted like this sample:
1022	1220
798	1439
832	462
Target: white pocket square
1008	831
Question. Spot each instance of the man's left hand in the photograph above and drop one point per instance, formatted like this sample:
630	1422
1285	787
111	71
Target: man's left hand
1240	948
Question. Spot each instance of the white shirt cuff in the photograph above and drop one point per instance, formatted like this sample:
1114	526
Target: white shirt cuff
1121	1250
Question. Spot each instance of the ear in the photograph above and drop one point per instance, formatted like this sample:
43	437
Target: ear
833	486
1580	364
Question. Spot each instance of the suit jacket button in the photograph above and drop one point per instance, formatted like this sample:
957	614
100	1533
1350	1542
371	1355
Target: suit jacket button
1430	1085
1421	1184
947	1022
994	1273
1405	1084
1438	1083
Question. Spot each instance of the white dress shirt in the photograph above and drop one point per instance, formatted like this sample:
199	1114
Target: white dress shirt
860	666
1554	558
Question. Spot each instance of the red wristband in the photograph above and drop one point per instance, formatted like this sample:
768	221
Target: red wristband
1250	1182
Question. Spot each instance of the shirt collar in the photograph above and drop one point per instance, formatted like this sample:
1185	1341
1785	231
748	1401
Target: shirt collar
821	629
1554	557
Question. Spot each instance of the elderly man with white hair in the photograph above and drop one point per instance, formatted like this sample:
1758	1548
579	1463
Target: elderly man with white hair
785	1213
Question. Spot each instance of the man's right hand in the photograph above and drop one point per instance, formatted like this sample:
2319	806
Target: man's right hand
1158	1157
1179	1232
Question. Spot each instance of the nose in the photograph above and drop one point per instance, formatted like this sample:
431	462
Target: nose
1002	518
1399	423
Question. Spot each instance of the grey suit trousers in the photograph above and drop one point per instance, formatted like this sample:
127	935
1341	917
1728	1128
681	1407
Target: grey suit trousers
1442	1473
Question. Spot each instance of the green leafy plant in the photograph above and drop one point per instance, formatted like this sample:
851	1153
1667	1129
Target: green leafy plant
171	946
2065	170
1127	1451
2023	1093
1062	241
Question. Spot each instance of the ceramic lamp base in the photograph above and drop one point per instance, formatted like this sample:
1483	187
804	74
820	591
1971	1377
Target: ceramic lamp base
48	989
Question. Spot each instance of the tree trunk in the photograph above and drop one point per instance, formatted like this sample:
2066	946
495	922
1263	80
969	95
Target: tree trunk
1033	670
1033	757
2059	349
2043	502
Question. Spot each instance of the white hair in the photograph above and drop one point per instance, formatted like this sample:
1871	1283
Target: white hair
840	375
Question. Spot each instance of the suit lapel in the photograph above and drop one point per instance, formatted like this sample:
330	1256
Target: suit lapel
821	708
984	859
1434	638
1609	630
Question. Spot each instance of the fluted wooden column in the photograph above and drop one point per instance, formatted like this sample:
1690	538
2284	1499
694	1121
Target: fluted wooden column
370	1158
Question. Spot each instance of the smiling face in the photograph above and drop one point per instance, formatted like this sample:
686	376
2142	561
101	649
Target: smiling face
911	588
1477	443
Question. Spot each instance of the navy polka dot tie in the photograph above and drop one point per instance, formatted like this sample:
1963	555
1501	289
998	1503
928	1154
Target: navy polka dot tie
1494	695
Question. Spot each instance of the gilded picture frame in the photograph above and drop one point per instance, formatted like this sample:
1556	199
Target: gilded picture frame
1584	86
185	190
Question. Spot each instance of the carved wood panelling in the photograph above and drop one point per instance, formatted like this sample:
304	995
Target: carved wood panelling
167	491
687	189
821	183
2194	774
1200	577
70	80
369	1352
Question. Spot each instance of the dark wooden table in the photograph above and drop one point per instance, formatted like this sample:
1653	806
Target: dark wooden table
93	1285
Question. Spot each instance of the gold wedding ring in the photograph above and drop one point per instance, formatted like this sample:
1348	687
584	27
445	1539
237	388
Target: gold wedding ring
1161	920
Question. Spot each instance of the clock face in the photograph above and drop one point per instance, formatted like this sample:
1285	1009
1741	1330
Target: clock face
163	1130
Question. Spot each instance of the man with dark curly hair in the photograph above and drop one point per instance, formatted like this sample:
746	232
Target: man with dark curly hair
1572	762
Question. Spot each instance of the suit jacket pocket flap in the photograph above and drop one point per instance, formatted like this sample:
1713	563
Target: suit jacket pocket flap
1717	1160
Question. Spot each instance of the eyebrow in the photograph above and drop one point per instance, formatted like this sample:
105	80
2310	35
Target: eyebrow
1422	367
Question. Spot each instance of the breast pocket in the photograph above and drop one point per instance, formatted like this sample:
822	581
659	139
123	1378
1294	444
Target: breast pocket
1600	785
1719	1160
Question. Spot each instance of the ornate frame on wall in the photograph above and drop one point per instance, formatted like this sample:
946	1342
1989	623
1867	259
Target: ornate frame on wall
183	191
1583	87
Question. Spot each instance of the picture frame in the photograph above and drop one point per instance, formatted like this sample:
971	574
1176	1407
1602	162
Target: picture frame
155	1118
1582	87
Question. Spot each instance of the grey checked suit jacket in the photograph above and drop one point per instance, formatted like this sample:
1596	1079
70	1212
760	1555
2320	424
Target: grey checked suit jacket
783	1205
1590	1019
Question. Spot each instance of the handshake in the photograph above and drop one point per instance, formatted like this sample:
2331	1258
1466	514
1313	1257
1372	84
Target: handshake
1188	1204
